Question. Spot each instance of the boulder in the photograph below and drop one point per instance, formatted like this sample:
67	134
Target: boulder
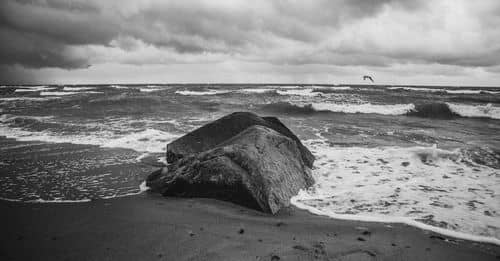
258	168
214	133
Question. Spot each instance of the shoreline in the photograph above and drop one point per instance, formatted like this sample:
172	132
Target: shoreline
454	235
151	227
401	220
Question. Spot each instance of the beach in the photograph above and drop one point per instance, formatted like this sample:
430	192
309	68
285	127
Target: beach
151	227
397	171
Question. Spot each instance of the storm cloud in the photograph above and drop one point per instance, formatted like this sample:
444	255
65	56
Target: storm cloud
378	35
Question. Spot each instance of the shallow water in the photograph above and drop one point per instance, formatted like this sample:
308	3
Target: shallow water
426	154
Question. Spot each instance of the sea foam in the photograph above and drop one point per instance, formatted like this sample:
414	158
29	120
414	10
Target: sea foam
387	109
299	92
483	111
77	88
65	93
148	140
201	93
436	189
34	88
454	91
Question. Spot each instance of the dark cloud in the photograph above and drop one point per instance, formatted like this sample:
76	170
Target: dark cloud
72	34
31	50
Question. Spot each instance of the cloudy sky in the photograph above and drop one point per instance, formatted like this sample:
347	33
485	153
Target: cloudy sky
454	42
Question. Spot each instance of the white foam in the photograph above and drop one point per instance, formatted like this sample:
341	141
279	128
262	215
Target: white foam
209	92
284	86
401	220
455	91
34	88
486	111
301	92
5	118
57	201
119	87
334	88
8	99
78	88
142	156
149	140
66	93
257	90
150	89
57	93
387	109
405	185
417	89
143	187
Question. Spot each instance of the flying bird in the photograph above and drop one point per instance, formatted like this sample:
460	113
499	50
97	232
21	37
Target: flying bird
367	77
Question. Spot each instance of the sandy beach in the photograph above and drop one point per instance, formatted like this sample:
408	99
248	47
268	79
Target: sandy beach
150	227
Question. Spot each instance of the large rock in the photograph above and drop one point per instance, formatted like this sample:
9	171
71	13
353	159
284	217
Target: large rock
214	133
258	168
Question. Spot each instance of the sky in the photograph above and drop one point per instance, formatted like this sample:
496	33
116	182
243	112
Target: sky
439	42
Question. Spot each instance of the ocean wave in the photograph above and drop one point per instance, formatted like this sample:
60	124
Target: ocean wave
257	90
417	89
148	140
451	110
288	108
141	189
150	89
331	89
201	93
472	92
66	93
441	90
443	190
479	111
120	86
299	92
385	109
433	110
283	86
39	99
426	110
34	88
78	88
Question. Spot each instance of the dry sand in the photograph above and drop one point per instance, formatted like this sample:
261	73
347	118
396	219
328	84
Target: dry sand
150	227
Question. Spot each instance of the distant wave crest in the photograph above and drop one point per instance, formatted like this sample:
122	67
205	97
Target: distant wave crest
427	110
441	90
201	93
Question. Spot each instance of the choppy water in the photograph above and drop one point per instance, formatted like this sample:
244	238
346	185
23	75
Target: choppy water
429	155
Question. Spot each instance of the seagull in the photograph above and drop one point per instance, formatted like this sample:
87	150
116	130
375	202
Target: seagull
367	77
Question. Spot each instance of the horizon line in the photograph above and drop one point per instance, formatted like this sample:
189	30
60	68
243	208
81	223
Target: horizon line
243	83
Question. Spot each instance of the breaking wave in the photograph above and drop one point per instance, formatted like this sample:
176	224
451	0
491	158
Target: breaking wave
427	110
299	92
30	128
479	111
75	89
257	90
289	108
65	93
201	93
34	88
441	90
442	190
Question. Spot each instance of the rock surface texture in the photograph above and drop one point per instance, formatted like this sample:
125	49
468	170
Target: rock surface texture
214	133
258	167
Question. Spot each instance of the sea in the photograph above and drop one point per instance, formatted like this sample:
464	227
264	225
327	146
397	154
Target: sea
426	156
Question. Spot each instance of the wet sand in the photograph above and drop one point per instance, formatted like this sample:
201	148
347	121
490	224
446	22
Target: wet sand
150	227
